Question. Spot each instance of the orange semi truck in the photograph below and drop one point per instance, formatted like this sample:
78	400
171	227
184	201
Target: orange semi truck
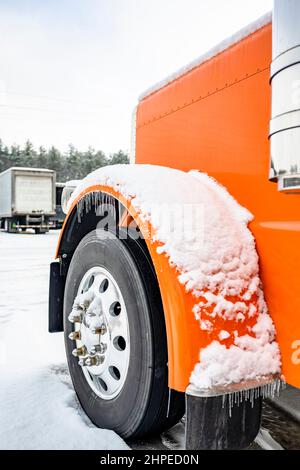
233	114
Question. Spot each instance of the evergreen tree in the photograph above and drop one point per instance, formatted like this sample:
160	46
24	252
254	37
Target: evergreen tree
87	161
100	160
29	156
92	160
42	157
72	165
54	160
15	156
2	157
118	158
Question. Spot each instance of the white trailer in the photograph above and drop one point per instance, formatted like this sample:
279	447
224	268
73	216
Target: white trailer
27	199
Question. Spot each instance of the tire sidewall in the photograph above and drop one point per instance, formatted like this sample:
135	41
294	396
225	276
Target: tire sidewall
124	412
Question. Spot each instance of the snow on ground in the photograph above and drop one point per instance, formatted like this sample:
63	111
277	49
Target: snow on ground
39	408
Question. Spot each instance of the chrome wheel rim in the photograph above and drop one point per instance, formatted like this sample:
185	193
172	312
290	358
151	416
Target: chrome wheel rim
101	332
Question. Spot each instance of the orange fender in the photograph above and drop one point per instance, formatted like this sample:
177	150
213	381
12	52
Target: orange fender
184	336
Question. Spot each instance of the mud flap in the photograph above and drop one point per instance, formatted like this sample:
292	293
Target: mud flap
212	425
56	298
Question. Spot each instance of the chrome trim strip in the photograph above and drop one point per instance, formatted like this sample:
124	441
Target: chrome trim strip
285	81
285	121
289	58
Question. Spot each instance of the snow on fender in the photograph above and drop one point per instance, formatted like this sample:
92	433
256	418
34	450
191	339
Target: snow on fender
193	225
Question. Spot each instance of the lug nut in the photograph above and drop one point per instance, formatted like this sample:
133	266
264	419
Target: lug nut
79	351
91	361
99	348
100	330
77	306
74	335
74	317
90	314
96	360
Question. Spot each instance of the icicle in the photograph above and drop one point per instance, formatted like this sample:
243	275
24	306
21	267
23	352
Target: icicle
223	400
230	404
102	203
80	206
269	390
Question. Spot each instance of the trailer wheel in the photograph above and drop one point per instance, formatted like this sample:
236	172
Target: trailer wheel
120	373
8	226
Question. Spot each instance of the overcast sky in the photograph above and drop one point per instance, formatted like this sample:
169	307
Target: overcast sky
72	70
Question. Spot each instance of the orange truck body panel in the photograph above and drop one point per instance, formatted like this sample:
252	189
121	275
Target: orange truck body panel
215	118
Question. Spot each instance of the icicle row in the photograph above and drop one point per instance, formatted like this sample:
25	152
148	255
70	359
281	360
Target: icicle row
269	390
98	200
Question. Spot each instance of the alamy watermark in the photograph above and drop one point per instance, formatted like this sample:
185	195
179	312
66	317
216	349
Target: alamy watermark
173	223
296	353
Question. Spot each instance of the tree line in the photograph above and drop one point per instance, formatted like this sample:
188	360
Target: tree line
71	164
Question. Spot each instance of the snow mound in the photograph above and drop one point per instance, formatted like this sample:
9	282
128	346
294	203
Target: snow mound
207	241
42	413
39	408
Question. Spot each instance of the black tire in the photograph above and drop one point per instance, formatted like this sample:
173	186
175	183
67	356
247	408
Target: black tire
9	226
145	405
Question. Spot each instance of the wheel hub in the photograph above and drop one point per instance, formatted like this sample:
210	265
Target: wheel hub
101	332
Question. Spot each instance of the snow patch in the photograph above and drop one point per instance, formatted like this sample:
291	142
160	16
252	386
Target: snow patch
72	183
224	335
39	409
250	358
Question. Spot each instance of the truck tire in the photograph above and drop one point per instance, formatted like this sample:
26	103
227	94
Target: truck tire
128	392
8	225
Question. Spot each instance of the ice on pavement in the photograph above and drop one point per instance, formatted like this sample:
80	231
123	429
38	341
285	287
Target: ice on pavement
39	408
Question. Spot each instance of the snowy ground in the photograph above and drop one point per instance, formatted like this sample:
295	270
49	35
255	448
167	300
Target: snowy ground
39	409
